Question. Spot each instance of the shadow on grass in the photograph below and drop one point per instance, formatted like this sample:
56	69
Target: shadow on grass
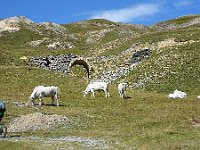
60	105
127	97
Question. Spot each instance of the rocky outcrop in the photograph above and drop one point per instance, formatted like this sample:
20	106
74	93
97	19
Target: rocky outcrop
125	69
12	24
59	45
54	27
113	75
139	56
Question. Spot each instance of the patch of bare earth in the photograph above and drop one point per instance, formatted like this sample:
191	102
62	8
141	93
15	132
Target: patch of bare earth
37	121
195	122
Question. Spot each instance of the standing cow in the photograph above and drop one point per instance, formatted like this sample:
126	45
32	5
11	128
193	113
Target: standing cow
96	86
122	88
45	91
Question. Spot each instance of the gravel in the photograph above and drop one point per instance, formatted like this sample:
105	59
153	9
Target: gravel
37	121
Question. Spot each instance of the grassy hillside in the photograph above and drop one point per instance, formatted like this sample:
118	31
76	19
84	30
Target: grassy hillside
182	20
146	119
173	66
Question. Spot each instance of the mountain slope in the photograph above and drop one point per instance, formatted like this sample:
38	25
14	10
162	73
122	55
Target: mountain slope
155	61
174	44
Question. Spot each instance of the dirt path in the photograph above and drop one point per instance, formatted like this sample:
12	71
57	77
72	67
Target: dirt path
86	142
39	121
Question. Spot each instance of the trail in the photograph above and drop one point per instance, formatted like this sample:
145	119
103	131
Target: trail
88	142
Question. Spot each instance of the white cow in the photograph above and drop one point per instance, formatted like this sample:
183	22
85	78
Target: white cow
45	91
96	86
177	94
122	88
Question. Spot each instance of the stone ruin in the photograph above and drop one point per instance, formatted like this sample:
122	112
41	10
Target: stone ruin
139	55
64	63
60	63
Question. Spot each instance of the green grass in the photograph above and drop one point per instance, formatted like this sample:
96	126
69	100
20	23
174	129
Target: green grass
18	39
89	25
6	145
146	120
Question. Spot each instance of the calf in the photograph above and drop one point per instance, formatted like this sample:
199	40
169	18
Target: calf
122	88
42	91
96	86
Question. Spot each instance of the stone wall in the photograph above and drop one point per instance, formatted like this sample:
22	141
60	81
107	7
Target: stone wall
60	63
63	63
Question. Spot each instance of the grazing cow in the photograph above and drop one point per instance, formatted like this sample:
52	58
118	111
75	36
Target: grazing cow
177	94
96	86
42	91
122	88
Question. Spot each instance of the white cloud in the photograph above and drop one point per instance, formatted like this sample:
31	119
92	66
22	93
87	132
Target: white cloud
128	14
183	3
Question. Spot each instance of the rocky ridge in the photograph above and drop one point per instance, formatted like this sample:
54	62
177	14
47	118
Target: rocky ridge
173	26
45	29
12	24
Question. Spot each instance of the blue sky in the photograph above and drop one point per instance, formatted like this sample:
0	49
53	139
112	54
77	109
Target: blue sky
145	12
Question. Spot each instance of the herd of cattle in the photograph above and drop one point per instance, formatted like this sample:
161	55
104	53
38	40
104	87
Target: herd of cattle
53	92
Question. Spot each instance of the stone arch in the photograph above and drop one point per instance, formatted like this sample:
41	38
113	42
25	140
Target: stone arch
80	61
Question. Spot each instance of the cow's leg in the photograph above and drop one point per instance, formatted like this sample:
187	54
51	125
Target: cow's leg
93	93
40	100
123	94
57	100
106	93
119	93
52	100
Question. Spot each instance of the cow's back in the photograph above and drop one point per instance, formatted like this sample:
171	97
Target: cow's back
96	85
44	91
100	85
49	91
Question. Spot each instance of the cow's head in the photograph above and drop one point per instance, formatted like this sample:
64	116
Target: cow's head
32	100
85	93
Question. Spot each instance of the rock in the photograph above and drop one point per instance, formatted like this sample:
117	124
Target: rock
139	56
